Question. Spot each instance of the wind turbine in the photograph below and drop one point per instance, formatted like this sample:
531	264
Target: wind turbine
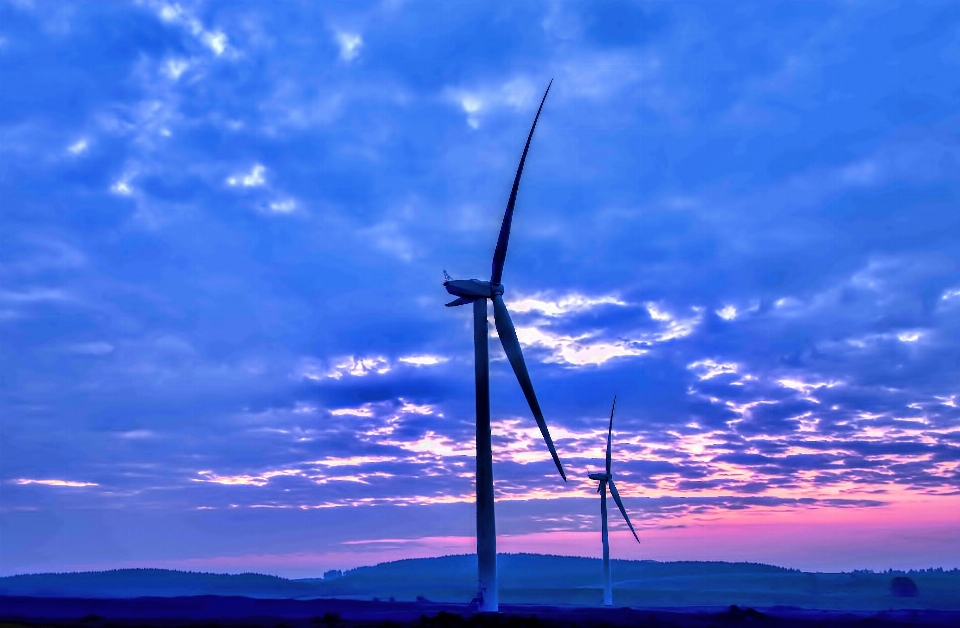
477	292
607	478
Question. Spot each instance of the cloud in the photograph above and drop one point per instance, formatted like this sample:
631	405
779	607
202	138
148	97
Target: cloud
122	187
284	206
595	347
354	367
176	14
92	348
423	360
138	434
175	68
727	313
350	44
78	147
44	254
251	180
35	295
603	75
517	94
217	42
67	483
357	366
352	461
578	351
242	480
389	236
566	304
708	369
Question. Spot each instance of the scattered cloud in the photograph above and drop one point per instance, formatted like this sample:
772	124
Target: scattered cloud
708	369
353	461
804	387
176	14
350	44
727	312
252	179
365	411
35	295
138	434
355	366
351	367
175	68
283	206
567	304
581	350
423	360
216	41
68	483
242	480
122	187
78	147
472	106
92	348
517	94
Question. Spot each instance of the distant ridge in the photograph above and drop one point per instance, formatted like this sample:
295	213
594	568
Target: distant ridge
389	578
152	582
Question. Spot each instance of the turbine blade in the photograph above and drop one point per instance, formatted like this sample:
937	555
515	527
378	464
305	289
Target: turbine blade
610	432
511	346
460	301
500	253
623	511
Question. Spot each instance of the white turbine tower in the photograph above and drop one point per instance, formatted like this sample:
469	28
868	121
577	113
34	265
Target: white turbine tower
477	292
607	478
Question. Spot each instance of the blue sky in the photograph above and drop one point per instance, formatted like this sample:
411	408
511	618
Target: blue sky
224	230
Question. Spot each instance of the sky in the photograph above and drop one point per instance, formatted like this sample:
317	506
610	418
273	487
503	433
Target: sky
225	227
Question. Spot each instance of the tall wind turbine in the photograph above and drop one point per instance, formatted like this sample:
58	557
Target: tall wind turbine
477	292
607	478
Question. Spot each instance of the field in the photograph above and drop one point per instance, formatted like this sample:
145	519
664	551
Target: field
536	579
530	579
241	612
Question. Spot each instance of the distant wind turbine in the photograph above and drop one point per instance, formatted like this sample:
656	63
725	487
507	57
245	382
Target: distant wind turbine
477	292
607	478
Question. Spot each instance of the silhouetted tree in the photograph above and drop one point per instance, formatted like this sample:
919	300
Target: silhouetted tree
902	586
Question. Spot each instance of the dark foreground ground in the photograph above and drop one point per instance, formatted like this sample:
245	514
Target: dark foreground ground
241	612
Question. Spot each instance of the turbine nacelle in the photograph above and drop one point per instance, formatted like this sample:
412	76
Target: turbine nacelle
472	289
469	290
600	477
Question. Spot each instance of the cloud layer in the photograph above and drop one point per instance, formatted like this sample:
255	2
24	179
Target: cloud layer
226	227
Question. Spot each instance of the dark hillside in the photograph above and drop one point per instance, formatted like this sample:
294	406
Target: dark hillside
522	571
156	582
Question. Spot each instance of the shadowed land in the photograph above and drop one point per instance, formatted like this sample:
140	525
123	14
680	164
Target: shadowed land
211	611
530	579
